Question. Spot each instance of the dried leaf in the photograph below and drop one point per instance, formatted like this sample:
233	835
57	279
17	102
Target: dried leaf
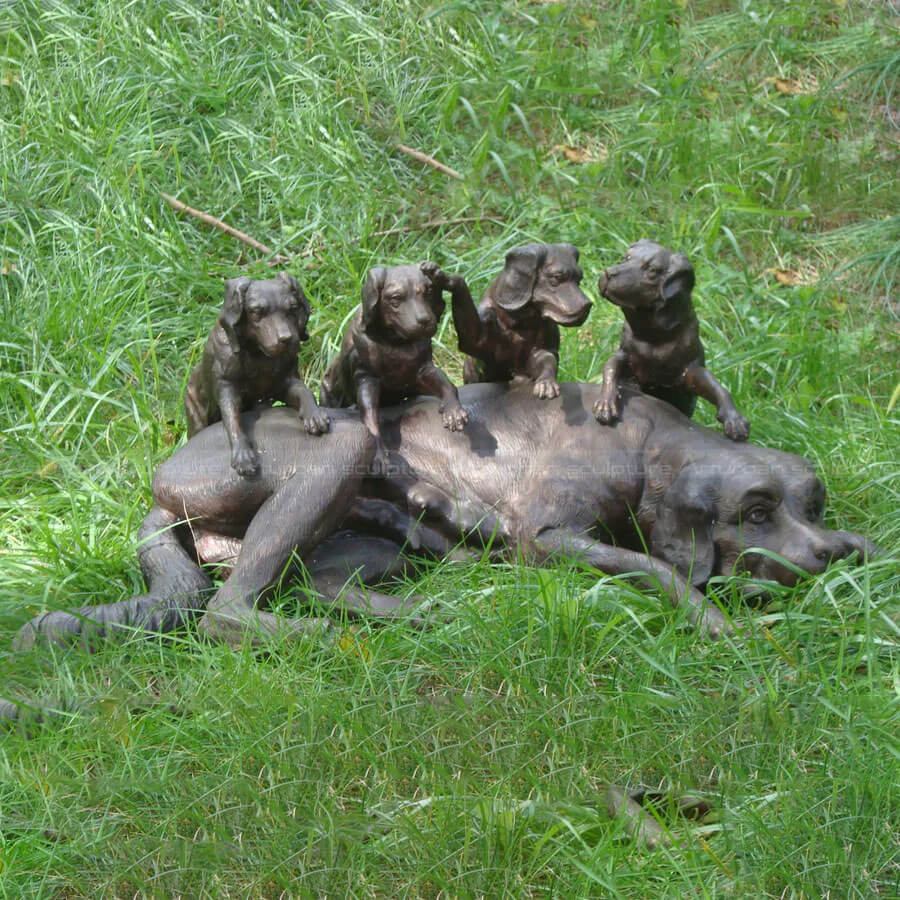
8	267
788	86
349	642
788	276
582	155
9	78
805	275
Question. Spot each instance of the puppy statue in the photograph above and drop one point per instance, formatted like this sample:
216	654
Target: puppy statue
250	357
385	356
660	345
514	333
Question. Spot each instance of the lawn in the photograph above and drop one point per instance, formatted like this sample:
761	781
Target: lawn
469	760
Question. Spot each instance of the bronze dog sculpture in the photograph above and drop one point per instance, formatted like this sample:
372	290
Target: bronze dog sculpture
251	356
657	496
385	356
515	330
660	346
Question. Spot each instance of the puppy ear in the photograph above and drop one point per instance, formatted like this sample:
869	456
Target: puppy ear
371	295
435	300
516	282
682	533
679	280
305	306
233	309
572	249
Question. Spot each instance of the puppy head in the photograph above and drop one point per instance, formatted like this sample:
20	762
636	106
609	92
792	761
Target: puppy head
400	304
547	277
649	277
267	316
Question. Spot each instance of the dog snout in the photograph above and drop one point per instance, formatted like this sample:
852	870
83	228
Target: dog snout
603	281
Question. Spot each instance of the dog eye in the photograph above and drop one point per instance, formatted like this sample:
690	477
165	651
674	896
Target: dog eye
757	515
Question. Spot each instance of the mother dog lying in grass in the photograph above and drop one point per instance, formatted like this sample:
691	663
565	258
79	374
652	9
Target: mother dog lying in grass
654	496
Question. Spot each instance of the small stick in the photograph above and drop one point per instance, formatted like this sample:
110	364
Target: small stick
222	226
430	161
434	223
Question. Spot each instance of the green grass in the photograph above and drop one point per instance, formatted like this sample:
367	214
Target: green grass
468	760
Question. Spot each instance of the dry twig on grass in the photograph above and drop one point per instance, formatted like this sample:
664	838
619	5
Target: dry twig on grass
276	258
430	161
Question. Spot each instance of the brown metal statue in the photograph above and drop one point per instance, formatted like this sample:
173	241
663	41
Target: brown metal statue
385	356
660	347
251	356
514	333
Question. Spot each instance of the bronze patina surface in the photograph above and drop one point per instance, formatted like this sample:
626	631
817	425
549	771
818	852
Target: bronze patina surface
661	349
250	357
514	332
528	475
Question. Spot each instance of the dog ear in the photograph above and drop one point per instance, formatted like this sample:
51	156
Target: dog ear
572	249
435	300
516	282
233	309
682	534
679	280
305	305
371	295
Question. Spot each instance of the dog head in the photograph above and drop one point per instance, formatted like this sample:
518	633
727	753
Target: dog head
747	509
546	277
269	316
400	304
649	277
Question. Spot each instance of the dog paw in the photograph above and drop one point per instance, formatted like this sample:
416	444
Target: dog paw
714	625
736	427
546	389
317	423
606	409
424	613
455	418
435	274
245	461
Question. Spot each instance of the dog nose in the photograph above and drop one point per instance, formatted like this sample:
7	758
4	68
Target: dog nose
602	281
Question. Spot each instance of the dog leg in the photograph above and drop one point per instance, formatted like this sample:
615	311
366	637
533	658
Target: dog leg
606	409
297	517
700	381
542	369
368	393
703	615
244	458
177	591
432	381
342	567
301	398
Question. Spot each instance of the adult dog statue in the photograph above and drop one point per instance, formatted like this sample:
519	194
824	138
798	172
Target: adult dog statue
655	495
